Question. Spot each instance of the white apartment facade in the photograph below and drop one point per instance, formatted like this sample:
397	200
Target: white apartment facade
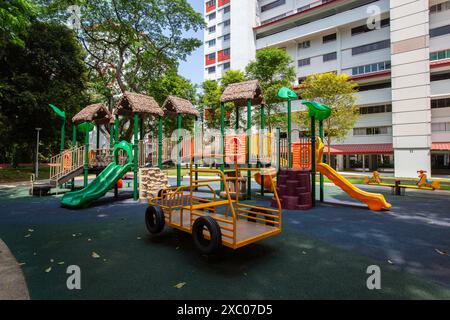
402	67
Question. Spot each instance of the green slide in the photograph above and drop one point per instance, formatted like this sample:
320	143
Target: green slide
103	182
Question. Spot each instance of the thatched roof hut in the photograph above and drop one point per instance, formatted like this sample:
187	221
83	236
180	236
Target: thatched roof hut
174	105
135	102
97	113
240	92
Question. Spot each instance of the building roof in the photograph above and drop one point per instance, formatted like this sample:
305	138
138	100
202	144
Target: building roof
135	102
240	92
97	113
174	105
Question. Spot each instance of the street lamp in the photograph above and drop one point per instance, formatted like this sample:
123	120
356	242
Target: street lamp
37	152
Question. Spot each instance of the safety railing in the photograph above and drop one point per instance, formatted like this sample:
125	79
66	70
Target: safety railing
67	161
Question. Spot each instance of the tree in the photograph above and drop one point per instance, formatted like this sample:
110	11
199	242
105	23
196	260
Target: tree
273	68
172	84
336	91
48	69
210	99
130	40
15	17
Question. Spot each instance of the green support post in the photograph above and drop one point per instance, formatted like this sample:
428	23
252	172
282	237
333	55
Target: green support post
136	156
262	131
116	130
313	161
111	135
321	175
289	129
222	141
86	156
116	140
178	150
74	145
249	146
160	138
63	128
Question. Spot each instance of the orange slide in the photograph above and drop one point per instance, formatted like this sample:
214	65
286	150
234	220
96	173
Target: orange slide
375	201
267	183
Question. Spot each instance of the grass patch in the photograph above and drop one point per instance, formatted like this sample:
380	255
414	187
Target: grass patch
22	174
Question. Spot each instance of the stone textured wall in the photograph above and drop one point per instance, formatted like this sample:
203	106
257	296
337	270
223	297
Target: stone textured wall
151	180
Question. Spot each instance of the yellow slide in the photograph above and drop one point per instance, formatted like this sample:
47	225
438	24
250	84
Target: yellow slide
375	201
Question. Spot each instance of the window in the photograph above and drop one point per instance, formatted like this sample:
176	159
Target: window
211	3
304	8
369	68
376	86
211	16
211	56
226	66
372	131
440	55
329	38
226	52
440	7
376	109
330	56
371	47
440	76
440	103
436	32
365	28
272	5
212	29
304	45
440	127
226	9
226	23
211	43
304	62
211	70
226	37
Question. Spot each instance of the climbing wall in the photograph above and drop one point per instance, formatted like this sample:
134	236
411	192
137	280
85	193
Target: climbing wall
151	180
294	189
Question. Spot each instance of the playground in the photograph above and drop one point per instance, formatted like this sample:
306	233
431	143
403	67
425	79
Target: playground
252	211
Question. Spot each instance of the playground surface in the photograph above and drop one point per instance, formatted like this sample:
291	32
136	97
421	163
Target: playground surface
322	253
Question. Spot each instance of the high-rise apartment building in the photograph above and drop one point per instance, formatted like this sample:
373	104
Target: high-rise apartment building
398	51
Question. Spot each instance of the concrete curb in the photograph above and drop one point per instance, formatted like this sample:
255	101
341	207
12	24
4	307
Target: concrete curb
12	281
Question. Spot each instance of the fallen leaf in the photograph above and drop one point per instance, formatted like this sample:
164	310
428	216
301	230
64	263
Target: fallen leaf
34	253
95	255
51	260
74	235
89	239
442	253
48	269
22	264
177	248
139	238
30	230
61	262
390	262
303	252
180	285
27	236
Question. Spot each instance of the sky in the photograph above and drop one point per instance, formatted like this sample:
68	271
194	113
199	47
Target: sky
192	68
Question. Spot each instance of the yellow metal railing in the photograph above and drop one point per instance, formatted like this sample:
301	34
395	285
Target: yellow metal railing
67	161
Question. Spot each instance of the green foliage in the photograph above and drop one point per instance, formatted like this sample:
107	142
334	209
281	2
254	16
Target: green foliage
273	68
48	69
171	84
336	91
131	40
15	17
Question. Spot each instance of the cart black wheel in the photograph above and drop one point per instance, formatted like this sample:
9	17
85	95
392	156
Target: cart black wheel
154	219
206	246
269	220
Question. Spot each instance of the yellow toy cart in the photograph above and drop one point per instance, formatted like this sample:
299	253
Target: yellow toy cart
213	221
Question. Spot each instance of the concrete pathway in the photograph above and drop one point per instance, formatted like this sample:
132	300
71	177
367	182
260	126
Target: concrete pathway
12	281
